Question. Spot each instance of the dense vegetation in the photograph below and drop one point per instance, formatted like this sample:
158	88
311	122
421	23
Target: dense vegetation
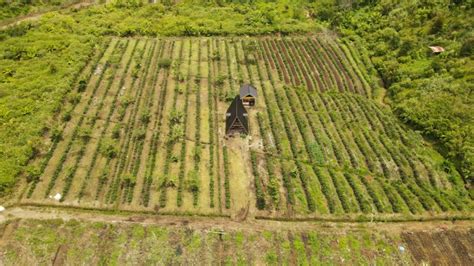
14	8
431	92
37	71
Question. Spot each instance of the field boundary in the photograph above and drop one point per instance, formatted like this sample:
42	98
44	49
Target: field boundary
361	219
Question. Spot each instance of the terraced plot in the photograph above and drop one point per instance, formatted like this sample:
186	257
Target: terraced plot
144	131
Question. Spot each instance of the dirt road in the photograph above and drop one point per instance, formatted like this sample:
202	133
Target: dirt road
35	16
199	223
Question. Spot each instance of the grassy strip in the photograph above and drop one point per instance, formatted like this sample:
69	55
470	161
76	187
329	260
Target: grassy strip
258	185
273	184
174	123
210	99
182	156
226	177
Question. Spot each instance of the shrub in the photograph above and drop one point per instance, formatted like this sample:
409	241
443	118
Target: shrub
164	62
109	148
467	48
82	85
33	173
116	131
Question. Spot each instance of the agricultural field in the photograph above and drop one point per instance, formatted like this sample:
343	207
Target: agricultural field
197	242
143	131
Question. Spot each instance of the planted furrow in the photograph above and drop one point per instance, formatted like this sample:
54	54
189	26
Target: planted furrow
118	178
182	166
146	128
147	116
327	83
106	126
210	100
322	138
215	119
174	133
326	63
197	136
343	192
315	74
344	66
278	62
288	60
331	124
80	87
335	65
148	180
273	183
63	158
305	69
377	194
85	139
276	126
360	193
356	68
310	143
112	193
293	143
141	130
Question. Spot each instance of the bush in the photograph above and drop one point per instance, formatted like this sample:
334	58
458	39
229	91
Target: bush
109	148
33	173
164	62
467	48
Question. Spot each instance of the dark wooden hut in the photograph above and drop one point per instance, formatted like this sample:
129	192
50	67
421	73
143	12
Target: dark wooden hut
248	95
236	118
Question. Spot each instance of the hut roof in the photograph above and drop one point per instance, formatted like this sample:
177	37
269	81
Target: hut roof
436	49
236	111
246	90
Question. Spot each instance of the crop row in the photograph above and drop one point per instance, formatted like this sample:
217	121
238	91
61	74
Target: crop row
56	134
76	130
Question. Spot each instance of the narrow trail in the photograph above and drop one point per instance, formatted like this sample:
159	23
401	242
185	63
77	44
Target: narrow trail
35	16
223	223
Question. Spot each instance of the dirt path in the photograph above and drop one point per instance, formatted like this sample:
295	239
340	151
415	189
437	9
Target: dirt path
35	16
223	223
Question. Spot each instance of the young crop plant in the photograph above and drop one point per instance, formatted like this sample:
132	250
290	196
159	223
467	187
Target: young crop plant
277	127
75	132
86	132
152	155
273	184
210	100
293	140
56	134
118	173
182	166
226	177
175	118
107	150
258	186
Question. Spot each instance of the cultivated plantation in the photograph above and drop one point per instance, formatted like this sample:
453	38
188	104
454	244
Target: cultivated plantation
144	130
233	132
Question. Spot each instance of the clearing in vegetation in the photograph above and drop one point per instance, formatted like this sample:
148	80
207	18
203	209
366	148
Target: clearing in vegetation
144	131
